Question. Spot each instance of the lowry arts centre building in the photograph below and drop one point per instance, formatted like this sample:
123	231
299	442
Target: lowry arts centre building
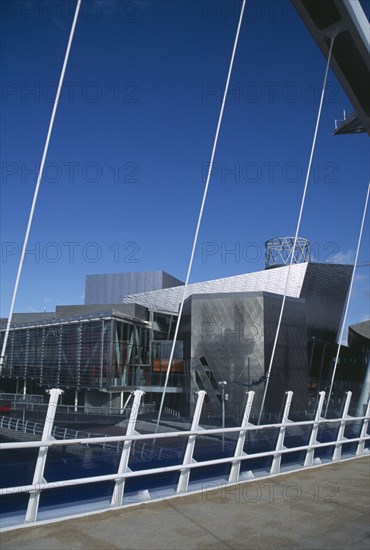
121	338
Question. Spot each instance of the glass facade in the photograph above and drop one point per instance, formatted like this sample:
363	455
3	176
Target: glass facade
351	369
131	354
75	354
106	353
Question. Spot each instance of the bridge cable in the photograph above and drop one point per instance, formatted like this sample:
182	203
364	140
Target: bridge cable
347	302
268	375
38	181
200	213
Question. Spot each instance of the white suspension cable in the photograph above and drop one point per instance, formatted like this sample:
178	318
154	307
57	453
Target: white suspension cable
268	375
348	300
38	181
201	213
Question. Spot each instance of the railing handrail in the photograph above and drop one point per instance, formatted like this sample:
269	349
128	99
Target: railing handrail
129	444
166	469
28	426
23	398
35	406
164	435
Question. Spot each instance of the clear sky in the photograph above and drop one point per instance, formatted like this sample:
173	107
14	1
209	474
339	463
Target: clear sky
133	135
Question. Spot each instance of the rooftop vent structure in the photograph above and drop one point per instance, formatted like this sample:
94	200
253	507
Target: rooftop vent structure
279	251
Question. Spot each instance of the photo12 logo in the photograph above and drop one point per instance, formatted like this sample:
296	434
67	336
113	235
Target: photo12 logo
28	92
71	251
270	491
70	172
269	172
228	11
253	252
61	14
268	92
237	252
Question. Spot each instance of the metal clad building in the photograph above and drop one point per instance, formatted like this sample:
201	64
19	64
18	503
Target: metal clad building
111	288
226	333
229	336
272	280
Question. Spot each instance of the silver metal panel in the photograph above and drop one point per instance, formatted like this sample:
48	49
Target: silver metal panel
273	280
110	288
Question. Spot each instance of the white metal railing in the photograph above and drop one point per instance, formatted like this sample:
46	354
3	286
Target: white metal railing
40	407
17	425
128	446
36	428
21	397
172	412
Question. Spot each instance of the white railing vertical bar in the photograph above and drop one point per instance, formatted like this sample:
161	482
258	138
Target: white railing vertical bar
38	476
275	466
315	428
338	446
183	482
119	486
361	444
235	466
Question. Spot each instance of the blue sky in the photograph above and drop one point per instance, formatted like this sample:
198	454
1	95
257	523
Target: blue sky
133	135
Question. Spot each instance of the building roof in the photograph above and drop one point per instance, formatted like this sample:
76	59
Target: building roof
110	288
272	280
363	329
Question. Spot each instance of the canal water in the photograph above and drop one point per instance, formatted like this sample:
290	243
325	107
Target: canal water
65	463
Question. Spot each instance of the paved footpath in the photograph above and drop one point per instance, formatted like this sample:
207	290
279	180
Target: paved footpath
320	508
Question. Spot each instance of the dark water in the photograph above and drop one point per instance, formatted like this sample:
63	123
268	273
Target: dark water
17	467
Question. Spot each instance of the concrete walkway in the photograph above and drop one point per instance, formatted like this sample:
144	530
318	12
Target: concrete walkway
320	508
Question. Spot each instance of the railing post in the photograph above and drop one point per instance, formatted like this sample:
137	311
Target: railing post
275	466
183	482
315	428
361	444
38	476
119	486
235	466
338	446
